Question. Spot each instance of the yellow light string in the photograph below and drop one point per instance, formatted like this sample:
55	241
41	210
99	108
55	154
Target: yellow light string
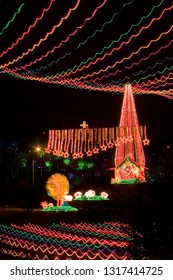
59	141
145	141
99	136
110	143
68	142
78	141
105	130
75	141
141	130
84	138
113	134
89	142
52	139
91	137
104	139
109	135
117	136
81	143
95	137
65	140
95	150
71	140
55	142
62	142
47	150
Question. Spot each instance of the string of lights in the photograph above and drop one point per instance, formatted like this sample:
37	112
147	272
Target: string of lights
30	241
28	30
12	19
89	48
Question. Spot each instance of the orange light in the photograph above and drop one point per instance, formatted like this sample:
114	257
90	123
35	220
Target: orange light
38	149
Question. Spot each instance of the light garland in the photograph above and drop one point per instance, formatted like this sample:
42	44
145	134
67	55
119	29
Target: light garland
88	72
102	241
90	141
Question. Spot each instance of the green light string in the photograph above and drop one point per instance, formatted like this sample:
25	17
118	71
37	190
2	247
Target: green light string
11	20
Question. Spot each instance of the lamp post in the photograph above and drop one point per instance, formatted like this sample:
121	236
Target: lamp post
37	149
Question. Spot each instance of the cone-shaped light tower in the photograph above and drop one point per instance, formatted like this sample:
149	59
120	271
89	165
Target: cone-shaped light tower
129	154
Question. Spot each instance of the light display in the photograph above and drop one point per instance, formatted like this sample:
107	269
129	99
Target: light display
57	187
87	141
36	52
49	207
128	140
129	154
12	19
77	241
90	195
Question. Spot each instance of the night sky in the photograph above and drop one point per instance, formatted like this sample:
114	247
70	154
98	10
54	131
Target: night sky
29	106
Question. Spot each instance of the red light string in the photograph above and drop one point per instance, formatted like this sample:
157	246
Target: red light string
25	248
28	30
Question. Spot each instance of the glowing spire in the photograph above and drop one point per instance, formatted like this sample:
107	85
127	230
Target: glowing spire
129	126
129	155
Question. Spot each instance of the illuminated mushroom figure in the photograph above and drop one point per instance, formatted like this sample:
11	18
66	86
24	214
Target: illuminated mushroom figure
57	187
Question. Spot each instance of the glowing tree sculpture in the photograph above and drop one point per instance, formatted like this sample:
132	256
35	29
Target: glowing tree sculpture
57	187
129	154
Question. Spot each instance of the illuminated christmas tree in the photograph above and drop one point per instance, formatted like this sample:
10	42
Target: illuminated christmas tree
129	154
